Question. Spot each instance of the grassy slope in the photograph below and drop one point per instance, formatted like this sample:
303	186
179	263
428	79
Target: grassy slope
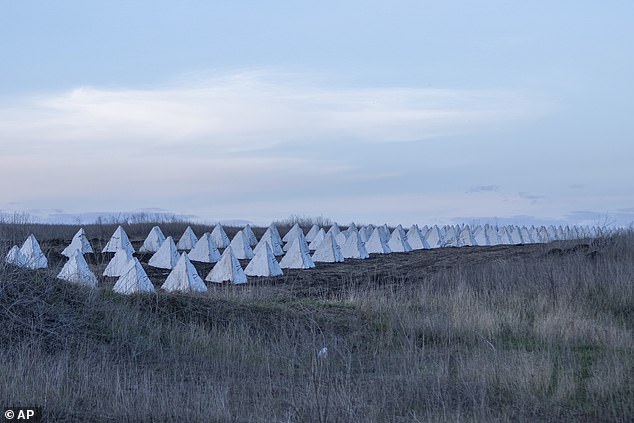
541	336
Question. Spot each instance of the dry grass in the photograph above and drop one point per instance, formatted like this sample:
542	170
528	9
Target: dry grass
534	337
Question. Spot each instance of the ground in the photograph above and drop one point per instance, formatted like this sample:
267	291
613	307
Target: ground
506	333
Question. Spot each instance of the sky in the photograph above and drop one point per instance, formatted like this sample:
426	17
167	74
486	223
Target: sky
393	112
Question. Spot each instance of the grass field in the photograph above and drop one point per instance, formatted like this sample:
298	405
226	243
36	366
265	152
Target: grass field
506	333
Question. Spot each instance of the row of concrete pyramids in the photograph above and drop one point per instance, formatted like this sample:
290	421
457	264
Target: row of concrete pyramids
331	246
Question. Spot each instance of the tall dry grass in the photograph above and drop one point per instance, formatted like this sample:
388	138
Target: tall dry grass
546	336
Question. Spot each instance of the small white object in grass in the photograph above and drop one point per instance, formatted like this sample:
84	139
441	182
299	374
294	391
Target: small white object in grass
323	353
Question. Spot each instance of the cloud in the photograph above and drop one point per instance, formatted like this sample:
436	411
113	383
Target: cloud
246	111
484	188
534	198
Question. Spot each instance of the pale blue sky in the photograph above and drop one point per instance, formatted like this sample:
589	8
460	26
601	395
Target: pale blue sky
398	112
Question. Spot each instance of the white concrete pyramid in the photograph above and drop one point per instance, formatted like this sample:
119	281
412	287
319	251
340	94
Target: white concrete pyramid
248	231
354	247
267	238
167	255
15	257
553	234
376	244
118	240
184	277
384	231
133	279
492	235
504	236
187	240
227	269
317	239
275	236
398	241
298	236
334	229
341	238
293	233
514	234
311	233
526	235
220	237
542	232
35	258
118	264
365	233
534	233
465	239
205	250
76	270
434	237
416	239
328	251
240	246
478	236
450	236
153	241
297	257
352	228
561	233
263	263
79	242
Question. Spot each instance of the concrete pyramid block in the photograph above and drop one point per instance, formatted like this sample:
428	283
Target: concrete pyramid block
299	236
184	277
227	269
15	257
354	247
167	255
341	238
293	233
118	264
465	239
205	250
275	234
220	237
328	251
263	263
334	230
268	238
248	231
365	233
80	242
297	257
450	236
119	240
76	270
398	241
317	239
133	280
188	240
526	235
240	246
478	235
434	237
311	233
153	241
416	239
376	244
35	258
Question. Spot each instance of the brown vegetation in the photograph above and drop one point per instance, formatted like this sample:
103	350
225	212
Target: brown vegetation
520	333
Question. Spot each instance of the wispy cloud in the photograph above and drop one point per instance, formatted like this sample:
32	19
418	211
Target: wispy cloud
247	111
484	188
